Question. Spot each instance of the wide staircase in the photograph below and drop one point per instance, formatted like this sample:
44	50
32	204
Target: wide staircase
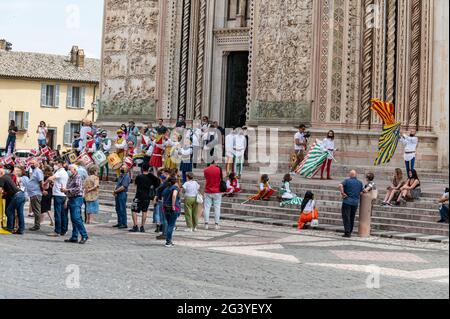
413	218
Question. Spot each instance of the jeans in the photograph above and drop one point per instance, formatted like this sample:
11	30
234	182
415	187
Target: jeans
239	165
42	142
121	209
61	215
75	216
410	165
348	217
10	144
444	212
212	200
16	205
171	219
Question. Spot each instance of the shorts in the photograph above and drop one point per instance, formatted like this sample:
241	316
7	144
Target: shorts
139	206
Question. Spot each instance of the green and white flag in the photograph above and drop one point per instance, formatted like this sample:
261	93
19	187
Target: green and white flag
313	161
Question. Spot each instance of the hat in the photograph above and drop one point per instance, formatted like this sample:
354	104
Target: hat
90	134
119	132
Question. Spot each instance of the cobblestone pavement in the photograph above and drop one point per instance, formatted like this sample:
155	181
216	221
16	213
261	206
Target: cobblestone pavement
241	260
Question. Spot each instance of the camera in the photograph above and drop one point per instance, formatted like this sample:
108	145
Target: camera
307	134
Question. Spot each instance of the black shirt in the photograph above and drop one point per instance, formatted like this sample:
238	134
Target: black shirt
8	186
160	190
144	184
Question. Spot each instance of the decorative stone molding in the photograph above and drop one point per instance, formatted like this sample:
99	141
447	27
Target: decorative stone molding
184	56
391	50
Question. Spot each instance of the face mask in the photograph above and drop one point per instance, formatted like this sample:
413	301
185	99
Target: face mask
122	171
7	171
412	135
120	136
33	166
69	173
55	168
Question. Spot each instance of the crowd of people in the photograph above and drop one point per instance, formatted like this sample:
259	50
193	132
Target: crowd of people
166	158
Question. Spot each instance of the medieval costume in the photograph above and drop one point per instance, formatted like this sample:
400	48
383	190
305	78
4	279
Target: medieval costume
309	212
105	147
186	160
121	147
156	161
265	190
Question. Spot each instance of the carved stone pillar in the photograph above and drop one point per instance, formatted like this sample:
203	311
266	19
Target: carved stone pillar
416	18
200	60
184	57
367	62
391	50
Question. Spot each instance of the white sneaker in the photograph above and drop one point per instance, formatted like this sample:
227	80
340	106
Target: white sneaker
169	245
217	227
206	226
188	230
195	229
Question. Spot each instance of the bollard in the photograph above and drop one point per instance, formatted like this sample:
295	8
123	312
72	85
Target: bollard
365	212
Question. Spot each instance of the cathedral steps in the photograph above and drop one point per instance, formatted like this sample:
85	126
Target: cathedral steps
413	217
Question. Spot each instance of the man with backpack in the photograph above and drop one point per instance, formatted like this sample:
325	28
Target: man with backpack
146	184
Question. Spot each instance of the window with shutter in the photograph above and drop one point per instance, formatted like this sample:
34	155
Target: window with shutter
12	116
43	94
56	95
69	96
67	133
82	97
26	120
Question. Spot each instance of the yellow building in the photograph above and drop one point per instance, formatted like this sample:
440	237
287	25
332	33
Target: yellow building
34	87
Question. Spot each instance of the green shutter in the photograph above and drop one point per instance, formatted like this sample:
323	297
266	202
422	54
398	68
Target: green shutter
82	97
57	95
43	94
12	116
26	120
69	96
67	134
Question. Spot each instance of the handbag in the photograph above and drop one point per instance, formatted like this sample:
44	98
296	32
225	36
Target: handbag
223	184
199	198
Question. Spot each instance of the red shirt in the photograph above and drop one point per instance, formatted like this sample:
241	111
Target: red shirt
213	178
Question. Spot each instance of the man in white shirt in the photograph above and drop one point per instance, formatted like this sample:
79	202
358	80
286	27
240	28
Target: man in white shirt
240	144
410	142
59	179
196	143
299	146
229	151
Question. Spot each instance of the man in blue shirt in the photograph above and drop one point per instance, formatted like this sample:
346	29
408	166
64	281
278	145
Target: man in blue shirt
121	194
350	190
34	189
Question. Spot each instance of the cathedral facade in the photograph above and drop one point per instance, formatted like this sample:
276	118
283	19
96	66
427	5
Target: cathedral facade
279	63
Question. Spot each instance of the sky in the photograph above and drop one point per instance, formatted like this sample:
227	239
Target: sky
52	26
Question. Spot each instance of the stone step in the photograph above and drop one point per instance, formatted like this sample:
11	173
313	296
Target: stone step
336	213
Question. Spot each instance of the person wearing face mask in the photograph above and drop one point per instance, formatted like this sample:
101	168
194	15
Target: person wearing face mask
59	179
34	188
121	147
410	142
74	193
328	145
121	194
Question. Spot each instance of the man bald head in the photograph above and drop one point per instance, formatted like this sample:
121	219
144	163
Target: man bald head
353	173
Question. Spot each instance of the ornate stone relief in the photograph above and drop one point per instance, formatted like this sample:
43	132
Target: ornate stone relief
129	58
282	59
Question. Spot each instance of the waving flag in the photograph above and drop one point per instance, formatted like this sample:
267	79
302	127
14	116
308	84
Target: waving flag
391	131
313	161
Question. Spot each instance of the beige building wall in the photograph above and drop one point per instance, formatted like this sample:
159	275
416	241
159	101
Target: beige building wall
25	96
